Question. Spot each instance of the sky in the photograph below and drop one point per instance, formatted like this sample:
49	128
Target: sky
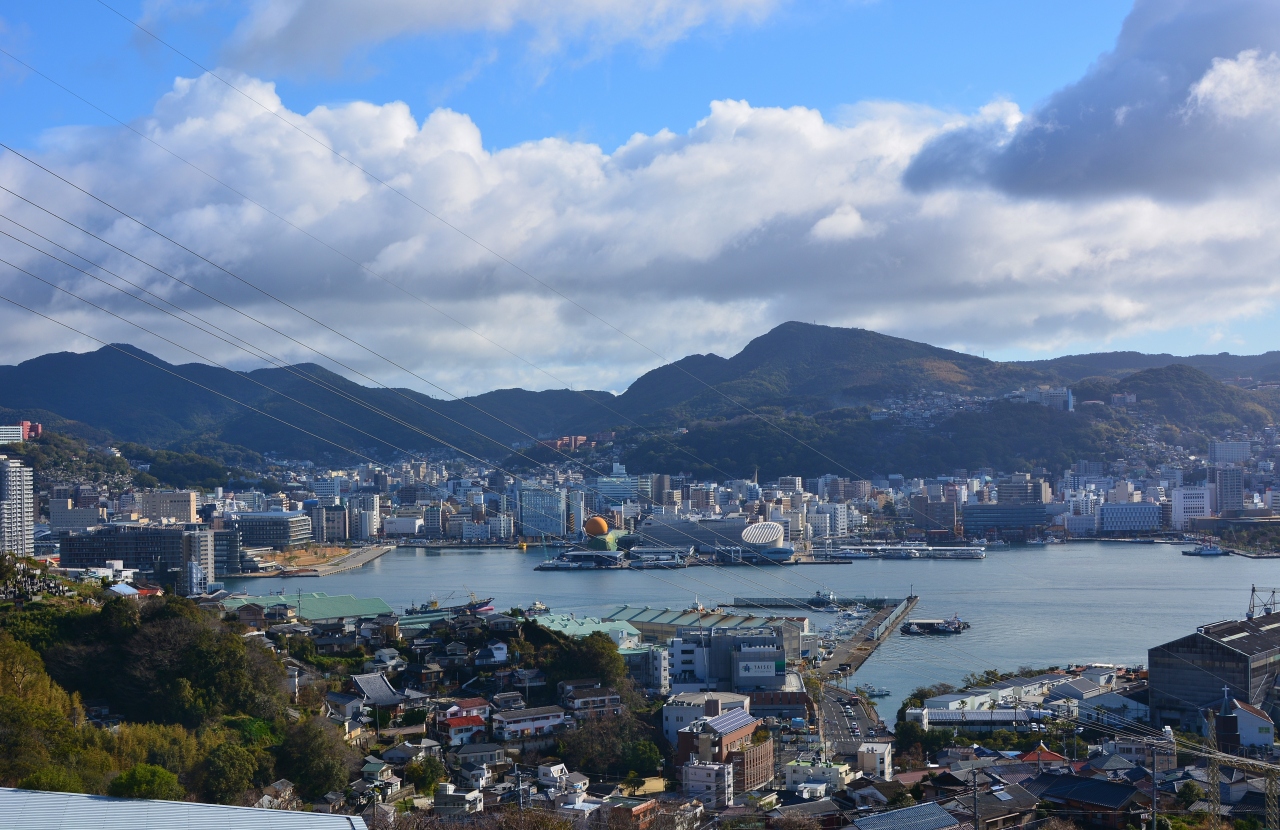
462	197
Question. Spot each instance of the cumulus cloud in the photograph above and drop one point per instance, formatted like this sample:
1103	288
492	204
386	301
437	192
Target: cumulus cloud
903	219
288	34
1126	127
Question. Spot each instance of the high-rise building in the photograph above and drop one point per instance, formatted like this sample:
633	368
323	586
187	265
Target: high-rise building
543	510
17	508
1189	503
1229	483
178	507
1229	452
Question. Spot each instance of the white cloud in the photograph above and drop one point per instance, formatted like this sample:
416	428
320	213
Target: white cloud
292	33
1242	87
691	242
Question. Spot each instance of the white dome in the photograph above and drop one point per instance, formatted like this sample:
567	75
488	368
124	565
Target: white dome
763	535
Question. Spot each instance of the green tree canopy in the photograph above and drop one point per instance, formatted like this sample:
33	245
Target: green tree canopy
315	757
228	772
147	781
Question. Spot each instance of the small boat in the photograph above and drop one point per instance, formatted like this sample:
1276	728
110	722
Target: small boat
1208	549
537	609
999	543
1036	542
874	691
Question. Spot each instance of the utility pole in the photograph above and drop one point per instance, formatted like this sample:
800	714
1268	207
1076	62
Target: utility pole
977	823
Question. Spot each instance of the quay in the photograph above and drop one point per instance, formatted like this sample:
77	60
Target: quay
852	653
817	601
351	561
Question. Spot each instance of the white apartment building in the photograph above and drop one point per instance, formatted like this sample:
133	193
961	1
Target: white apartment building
17	508
710	783
1229	452
838	521
1191	503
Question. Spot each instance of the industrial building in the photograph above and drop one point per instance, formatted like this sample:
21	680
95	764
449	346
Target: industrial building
1190	673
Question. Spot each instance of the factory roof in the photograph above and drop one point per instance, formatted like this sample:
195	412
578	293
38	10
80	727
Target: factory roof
317	606
32	809
1245	636
636	614
581	627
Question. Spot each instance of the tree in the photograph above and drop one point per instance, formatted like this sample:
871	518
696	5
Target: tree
633	782
228	772
425	774
54	780
315	757
902	798
644	757
1189	794
147	781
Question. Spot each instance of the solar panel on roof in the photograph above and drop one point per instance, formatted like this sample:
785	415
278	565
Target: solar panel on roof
731	720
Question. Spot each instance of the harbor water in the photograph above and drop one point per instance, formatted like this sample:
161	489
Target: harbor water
1028	605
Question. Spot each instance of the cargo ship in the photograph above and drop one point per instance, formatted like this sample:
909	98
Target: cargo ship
473	604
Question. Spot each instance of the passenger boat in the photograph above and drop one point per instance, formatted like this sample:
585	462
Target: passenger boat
1207	549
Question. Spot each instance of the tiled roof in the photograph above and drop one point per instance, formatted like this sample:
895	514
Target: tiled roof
376	690
460	723
1095	791
927	816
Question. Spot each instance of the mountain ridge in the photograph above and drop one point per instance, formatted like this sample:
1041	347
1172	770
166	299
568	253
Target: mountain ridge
795	368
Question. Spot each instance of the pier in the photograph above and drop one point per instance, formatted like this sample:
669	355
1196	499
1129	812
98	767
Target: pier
854	652
817	601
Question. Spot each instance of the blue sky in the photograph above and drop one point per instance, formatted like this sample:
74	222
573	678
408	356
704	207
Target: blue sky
825	54
1008	178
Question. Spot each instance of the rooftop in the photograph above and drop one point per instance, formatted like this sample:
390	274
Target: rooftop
689	619
317	606
34	810
581	627
927	816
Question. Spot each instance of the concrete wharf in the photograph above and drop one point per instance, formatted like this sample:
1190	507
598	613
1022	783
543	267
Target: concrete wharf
854	652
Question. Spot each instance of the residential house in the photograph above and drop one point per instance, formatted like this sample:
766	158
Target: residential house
490	754
463	730
593	702
876	758
824	812
1096	801
868	794
555	776
467	707
386	660
528	679
410	752
817	778
927	816
377	777
476	776
455	655
507	700
450	801
1000	807
494	653
513	724
502	622
376	692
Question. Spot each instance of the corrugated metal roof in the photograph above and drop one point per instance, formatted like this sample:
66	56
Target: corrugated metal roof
36	810
688	619
574	627
927	816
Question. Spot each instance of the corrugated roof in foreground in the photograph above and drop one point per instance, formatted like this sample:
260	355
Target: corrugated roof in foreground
36	810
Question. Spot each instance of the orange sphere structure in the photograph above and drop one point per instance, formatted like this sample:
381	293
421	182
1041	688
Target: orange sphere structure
596	526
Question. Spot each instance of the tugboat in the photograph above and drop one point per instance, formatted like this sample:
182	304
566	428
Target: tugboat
537	609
